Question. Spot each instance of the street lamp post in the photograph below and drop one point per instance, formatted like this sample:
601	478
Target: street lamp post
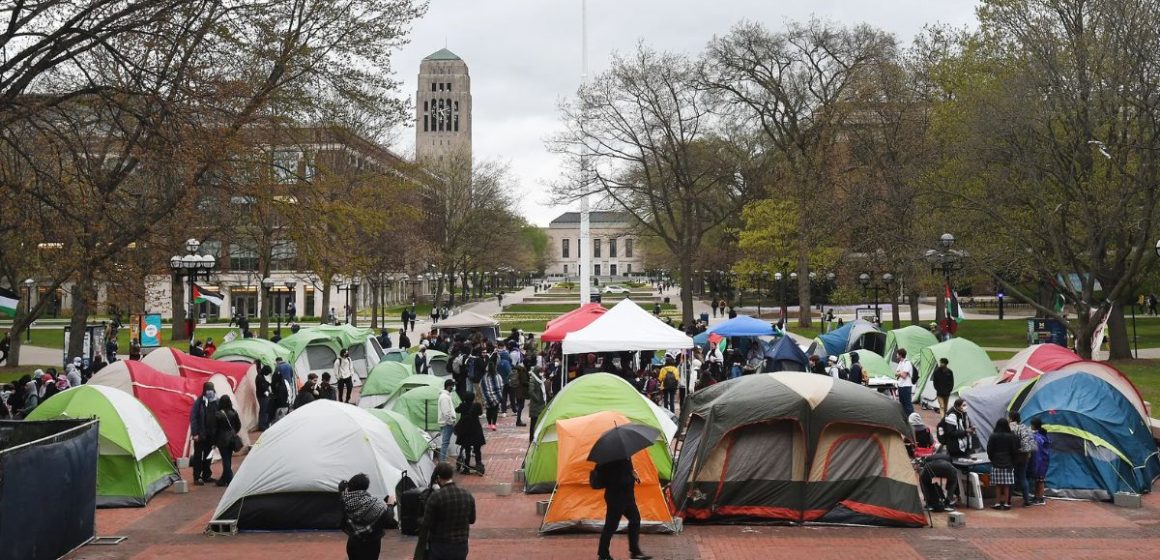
780	278
192	266
267	306
865	280
946	260
28	284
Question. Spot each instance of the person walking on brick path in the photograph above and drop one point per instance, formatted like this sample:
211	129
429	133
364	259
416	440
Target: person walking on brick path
344	374
619	481
469	435
447	418
227	424
447	519
537	399
905	373
492	395
670	381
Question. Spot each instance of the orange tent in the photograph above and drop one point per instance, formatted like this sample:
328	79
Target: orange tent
575	505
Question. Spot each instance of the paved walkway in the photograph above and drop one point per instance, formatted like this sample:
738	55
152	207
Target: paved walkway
507	528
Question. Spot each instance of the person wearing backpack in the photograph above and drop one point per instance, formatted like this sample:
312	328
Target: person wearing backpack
855	374
1027	448
906	374
364	517
944	383
670	381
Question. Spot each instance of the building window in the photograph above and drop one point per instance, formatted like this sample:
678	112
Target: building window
628	269
565	252
308	305
612	270
456	116
596	249
597	270
628	248
426	124
612	250
440	86
565	269
432	86
242	259
448	86
286	165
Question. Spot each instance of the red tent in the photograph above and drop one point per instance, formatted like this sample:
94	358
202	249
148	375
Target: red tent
1036	360
241	376
168	397
572	321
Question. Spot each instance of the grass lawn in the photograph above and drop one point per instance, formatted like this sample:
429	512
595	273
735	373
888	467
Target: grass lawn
1001	355
1146	375
565	307
1012	333
10	374
54	338
526	326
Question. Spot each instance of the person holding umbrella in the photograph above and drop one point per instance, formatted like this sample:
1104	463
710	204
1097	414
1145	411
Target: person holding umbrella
614	473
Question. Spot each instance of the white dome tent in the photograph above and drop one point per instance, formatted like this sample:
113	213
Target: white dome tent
280	487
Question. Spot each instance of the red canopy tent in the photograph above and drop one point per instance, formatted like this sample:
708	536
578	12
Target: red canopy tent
168	397
572	321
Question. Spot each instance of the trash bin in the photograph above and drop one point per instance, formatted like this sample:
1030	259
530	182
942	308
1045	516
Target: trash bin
666	299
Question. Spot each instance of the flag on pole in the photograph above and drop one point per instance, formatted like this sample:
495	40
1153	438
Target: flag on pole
8	302
200	295
953	310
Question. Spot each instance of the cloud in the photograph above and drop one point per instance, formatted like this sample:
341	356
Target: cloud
524	57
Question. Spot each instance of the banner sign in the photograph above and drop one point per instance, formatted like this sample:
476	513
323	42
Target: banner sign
151	330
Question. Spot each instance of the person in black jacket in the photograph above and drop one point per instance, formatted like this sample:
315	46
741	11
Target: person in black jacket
203	428
227	426
1002	449
262	387
619	481
955	430
944	382
469	435
404	342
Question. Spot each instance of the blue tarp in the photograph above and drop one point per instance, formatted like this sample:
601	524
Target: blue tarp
849	337
784	355
1084	415
743	325
701	339
835	341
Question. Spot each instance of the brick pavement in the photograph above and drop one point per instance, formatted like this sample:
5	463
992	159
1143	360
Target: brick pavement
171	527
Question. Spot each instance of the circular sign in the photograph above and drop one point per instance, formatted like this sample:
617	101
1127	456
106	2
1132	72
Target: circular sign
151	331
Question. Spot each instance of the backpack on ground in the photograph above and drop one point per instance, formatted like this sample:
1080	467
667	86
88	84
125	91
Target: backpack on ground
412	503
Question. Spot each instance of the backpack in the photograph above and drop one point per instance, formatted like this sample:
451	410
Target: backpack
913	373
457	364
594	480
844	373
671	383
474	371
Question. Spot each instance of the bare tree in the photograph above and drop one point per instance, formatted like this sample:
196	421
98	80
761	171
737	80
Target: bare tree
644	132
794	86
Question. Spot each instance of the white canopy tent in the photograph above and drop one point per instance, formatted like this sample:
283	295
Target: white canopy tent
626	327
469	320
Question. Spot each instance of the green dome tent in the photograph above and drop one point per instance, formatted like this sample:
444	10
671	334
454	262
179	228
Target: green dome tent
253	349
913	338
383	381
134	462
588	394
420	404
411	439
313	352
345	335
875	365
969	362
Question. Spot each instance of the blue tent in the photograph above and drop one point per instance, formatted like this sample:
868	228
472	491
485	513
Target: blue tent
785	355
743	325
1100	445
854	335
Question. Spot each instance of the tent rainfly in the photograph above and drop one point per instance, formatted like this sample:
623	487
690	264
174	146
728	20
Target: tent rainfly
383	381
626	327
241	377
913	338
572	321
1037	360
851	336
250	349
743	325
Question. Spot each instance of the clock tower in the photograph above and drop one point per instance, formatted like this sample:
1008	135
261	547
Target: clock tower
443	109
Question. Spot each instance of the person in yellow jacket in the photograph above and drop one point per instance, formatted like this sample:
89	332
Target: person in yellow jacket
670	379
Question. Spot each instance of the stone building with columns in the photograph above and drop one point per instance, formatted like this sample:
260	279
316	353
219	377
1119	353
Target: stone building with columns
616	253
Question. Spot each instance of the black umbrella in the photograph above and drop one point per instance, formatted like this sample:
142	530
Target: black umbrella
622	442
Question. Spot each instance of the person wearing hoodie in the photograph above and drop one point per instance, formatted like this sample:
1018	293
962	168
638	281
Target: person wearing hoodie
73	372
203	429
944	383
48	385
31	398
262	387
227	424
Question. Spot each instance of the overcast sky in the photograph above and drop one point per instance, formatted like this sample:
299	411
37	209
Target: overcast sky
524	57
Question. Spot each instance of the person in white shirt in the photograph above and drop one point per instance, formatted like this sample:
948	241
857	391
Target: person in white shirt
904	374
832	367
344	373
447	417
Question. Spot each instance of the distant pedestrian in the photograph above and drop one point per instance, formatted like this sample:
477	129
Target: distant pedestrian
469	435
404	342
344	373
411	316
1040	459
905	375
326	389
1002	449
262	388
203	430
447	417
670	381
308	393
422	366
619	481
447	519
492	387
537	398
1027	446
714	306
209	348
364	518
944	383
857	374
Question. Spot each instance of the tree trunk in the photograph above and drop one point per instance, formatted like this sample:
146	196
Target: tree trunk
375	290
687	290
895	312
1045	296
940	306
177	300
914	317
322	317
1119	339
1084	332
353	295
82	294
805	312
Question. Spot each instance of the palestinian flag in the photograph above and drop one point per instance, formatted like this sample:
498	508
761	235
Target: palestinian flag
8	302
200	295
953	310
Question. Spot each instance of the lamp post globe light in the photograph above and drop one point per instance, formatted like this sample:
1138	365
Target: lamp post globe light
946	260
191	266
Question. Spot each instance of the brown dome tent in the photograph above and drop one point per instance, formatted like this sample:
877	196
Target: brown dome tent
797	448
